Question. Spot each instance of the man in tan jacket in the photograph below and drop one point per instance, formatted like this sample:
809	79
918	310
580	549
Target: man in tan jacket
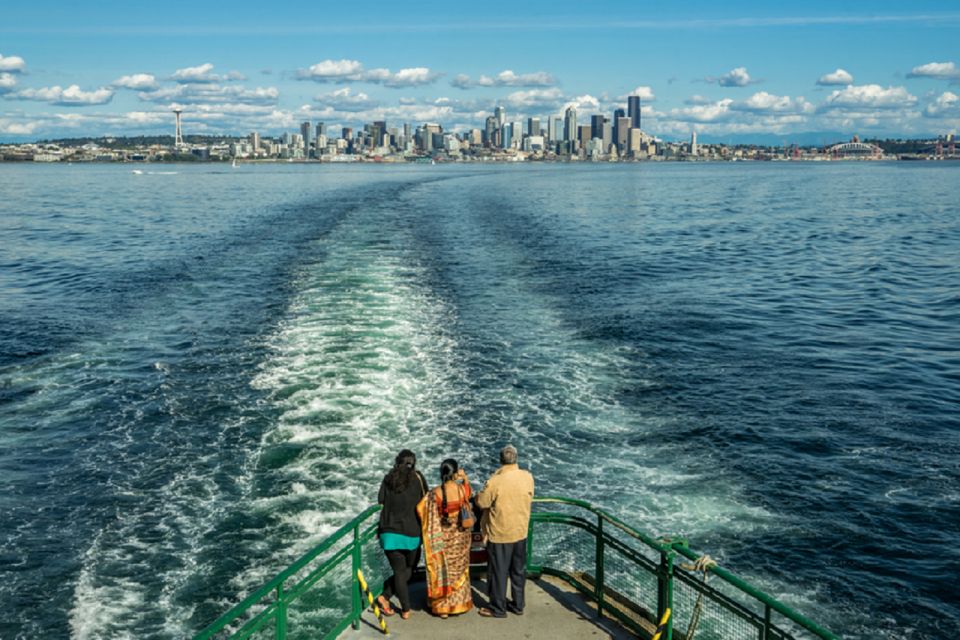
506	500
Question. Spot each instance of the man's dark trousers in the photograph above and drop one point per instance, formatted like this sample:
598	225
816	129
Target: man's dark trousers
506	559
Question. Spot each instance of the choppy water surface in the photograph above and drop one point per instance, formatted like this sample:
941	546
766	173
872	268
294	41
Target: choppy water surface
203	373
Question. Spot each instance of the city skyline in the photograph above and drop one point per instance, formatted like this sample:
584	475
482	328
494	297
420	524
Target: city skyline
744	69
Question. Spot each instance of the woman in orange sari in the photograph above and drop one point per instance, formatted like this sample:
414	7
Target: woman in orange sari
446	545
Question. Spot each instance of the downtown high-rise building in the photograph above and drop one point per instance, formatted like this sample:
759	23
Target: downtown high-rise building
305	130
633	111
570	125
533	126
501	115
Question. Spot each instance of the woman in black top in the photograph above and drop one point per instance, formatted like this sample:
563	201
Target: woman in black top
399	528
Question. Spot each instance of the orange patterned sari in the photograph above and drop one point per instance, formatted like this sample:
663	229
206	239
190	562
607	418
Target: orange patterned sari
446	551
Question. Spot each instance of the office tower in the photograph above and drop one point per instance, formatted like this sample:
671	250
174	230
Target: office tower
491	132
606	133
585	134
596	126
617	114
622	139
570	125
501	115
516	132
693	143
346	133
305	132
255	141
554	129
506	139
321	129
633	111
533	126
406	131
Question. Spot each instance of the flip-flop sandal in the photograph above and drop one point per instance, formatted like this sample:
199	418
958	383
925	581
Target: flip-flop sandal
385	609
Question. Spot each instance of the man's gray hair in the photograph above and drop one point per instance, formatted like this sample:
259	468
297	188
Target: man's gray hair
508	455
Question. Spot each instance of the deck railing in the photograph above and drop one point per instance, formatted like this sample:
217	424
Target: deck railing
629	575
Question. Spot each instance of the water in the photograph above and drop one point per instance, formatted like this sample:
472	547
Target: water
205	371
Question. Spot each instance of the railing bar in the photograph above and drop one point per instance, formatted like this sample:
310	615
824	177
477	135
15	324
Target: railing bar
255	597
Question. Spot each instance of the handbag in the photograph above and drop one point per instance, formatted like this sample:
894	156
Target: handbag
465	517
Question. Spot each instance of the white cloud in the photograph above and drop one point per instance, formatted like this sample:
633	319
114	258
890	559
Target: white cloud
734	78
549	99
585	105
947	70
332	71
72	96
345	100
712	112
139	81
202	75
696	99
766	103
340	71
839	76
645	93
411	77
7	82
17	128
506	78
945	106
868	97
12	64
212	93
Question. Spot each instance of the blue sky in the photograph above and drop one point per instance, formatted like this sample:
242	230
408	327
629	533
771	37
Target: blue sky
722	69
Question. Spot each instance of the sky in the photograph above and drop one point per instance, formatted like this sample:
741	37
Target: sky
733	68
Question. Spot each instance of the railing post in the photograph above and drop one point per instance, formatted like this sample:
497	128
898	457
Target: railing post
598	571
281	614
765	631
529	546
665	590
356	602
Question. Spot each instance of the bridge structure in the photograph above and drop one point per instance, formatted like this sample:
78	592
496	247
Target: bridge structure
855	149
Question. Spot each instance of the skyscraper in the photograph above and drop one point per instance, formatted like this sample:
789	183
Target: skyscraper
622	138
596	126
633	111
570	127
491	132
533	126
321	129
305	132
501	115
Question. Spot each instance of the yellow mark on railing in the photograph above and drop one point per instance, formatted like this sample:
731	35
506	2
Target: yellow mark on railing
663	625
376	609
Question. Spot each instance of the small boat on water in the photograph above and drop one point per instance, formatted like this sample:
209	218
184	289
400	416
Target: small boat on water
137	172
589	573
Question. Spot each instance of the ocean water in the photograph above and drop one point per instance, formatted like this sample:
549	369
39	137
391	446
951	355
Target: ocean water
205	370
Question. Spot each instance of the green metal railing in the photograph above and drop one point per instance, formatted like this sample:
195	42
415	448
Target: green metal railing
630	575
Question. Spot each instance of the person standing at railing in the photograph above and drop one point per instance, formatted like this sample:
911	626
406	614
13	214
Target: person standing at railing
399	529
506	501
447	522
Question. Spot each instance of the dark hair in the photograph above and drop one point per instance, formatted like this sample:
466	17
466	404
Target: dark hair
404	468
448	469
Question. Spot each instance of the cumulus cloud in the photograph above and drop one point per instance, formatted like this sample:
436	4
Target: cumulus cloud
945	70
7	82
710	112
945	106
584	104
839	76
212	93
339	71
13	128
645	93
696	100
137	81
766	103
202	75
734	78
868	97
12	64
506	78
72	96
548	99
345	100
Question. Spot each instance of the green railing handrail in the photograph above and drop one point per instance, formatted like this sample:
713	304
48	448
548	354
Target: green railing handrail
220	623
668	549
